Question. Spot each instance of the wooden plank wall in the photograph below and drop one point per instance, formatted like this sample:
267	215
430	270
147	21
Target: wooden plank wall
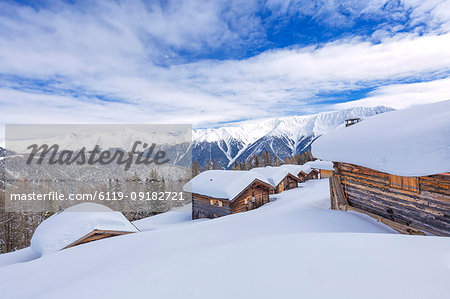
426	208
261	193
290	182
301	175
96	235
313	175
201	207
325	173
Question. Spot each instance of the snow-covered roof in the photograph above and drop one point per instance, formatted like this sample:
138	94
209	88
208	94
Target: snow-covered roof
295	169
225	184
273	174
409	142
319	164
62	229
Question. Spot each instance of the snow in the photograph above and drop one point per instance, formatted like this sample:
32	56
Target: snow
293	247
64	228
409	142
294	126
295	131
75	137
293	169
174	217
308	166
318	164
18	256
273	174
224	184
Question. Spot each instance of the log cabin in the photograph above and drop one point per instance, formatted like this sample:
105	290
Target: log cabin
394	167
79	224
217	193
297	170
279	177
351	121
302	176
312	175
308	171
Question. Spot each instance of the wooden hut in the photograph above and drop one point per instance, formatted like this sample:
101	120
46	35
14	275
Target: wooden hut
302	176
395	168
77	225
279	177
312	175
296	170
304	172
351	121
217	193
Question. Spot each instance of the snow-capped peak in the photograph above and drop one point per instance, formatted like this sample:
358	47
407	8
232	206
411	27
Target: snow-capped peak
282	137
293	126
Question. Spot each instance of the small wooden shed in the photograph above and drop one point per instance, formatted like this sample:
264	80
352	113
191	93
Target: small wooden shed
394	167
352	121
302	176
77	225
217	193
312	175
279	177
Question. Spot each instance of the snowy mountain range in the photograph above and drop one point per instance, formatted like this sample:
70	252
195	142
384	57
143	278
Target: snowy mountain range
175	141
282	137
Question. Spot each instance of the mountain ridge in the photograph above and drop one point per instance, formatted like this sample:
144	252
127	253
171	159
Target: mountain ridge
281	137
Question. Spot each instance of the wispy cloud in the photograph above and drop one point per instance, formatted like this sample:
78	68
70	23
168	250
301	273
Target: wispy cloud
214	62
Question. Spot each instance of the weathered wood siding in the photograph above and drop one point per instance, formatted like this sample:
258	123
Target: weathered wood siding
302	176
287	183
291	182
313	175
202	208
96	235
416	204
261	194
325	173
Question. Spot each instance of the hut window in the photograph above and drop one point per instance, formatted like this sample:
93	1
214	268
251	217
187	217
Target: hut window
405	183
215	202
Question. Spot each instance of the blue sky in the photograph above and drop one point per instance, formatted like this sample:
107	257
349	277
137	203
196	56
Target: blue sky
214	63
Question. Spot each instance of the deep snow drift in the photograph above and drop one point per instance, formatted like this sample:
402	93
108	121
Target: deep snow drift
293	247
408	142
62	229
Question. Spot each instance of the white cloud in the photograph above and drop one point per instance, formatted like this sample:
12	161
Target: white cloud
126	53
401	96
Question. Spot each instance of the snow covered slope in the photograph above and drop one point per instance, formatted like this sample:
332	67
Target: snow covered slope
306	251
408	142
281	136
